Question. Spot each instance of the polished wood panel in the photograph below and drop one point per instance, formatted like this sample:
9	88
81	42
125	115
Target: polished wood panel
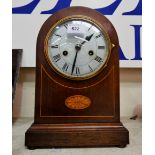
76	135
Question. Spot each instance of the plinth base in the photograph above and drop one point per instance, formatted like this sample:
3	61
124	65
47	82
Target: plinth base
76	135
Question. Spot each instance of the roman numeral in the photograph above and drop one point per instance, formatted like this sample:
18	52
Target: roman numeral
54	46
57	57
58	35
98	36
66	26
77	70
90	68
101	47
98	59
90	27
65	67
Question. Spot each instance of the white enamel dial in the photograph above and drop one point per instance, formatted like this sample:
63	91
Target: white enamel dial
77	49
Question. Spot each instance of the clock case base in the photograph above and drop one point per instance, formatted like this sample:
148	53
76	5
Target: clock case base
76	135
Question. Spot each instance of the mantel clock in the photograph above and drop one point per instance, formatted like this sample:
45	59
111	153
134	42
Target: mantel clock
77	83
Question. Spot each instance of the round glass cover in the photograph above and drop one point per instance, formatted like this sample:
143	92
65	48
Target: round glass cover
77	48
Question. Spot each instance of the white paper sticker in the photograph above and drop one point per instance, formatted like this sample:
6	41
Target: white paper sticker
75	30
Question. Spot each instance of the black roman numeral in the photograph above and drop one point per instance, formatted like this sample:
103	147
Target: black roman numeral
58	35
90	27
98	59
57	57
98	36
77	70
101	47
54	46
66	26
90	68
65	67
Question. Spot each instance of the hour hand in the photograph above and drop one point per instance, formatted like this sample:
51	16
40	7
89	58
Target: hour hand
89	37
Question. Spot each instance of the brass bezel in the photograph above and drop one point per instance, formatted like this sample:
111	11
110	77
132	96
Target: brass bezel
84	18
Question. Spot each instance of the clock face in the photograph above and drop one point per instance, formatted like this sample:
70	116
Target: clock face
77	48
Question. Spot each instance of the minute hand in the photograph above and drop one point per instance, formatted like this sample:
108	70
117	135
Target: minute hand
74	62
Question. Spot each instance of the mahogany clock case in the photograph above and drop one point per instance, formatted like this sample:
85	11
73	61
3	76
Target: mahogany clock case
56	125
